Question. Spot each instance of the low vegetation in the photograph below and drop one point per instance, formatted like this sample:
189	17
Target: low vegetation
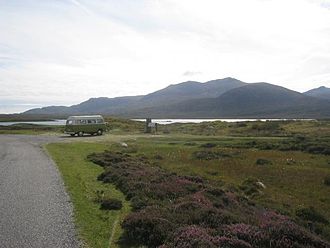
210	155
20	117
30	129
311	214
97	227
256	188
111	204
170	210
263	161
327	180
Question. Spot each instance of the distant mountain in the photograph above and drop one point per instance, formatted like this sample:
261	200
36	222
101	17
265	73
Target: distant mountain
190	90
259	100
222	98
321	92
169	95
102	105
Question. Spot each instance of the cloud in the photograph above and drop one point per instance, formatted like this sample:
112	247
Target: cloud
191	73
66	51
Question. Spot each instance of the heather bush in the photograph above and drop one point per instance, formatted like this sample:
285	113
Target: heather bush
190	144
262	161
208	145
111	204
267	128
274	231
288	234
147	227
241	124
248	233
210	155
319	149
251	187
298	143
226	242
195	213
327	180
193	236
170	210
108	158
311	214
158	157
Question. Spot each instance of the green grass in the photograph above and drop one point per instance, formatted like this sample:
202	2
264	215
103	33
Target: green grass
304	176
97	228
26	132
30	129
293	179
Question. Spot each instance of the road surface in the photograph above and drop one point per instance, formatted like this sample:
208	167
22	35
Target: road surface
35	210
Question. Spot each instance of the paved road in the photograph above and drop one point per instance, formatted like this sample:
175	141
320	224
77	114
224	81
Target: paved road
35	210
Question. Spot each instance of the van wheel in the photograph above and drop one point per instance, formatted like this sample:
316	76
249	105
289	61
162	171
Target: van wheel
80	134
99	132
73	134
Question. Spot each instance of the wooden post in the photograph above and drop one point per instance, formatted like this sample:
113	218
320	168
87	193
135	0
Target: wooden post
148	126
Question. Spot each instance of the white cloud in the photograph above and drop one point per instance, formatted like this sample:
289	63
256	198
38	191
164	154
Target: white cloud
64	52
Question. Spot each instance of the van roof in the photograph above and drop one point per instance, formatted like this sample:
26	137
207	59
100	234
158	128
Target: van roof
85	117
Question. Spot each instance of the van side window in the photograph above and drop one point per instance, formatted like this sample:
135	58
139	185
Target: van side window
82	121
99	121
69	122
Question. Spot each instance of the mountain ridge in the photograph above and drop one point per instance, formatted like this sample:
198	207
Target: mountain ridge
320	92
220	98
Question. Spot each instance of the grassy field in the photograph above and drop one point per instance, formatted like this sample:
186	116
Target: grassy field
290	158
114	125
97	228
292	179
30	129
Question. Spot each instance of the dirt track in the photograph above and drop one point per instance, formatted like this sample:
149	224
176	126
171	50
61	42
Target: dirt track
35	210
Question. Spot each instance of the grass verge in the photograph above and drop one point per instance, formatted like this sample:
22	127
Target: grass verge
97	228
30	129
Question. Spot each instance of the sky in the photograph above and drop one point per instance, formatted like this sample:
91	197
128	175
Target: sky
63	52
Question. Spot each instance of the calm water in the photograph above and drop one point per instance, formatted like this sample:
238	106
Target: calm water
170	121
48	123
159	121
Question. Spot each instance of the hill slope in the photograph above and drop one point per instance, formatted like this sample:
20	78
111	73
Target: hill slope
102	105
321	92
171	94
222	98
190	90
259	100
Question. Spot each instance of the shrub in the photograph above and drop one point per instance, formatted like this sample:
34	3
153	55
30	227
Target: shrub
111	204
170	210
262	161
241	124
327	180
287	234
319	150
251	187
158	157
210	155
190	144
231	243
147	227
193	236
311	214
208	145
